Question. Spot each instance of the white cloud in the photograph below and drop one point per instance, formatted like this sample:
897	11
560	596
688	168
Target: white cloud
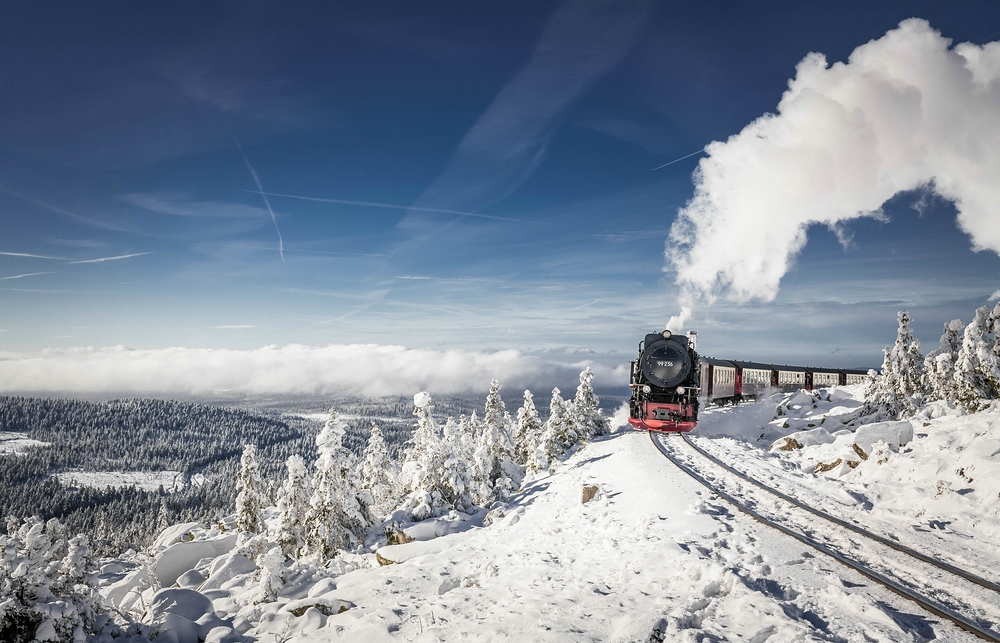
905	112
367	369
234	326
995	296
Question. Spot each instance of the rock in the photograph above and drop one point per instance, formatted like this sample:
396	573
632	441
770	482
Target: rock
823	468
786	444
184	629
325	606
589	492
382	560
861	452
895	434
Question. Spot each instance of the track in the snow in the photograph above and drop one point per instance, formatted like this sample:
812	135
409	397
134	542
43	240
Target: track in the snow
929	604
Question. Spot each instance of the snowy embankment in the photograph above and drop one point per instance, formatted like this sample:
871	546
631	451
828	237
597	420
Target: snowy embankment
14	442
651	557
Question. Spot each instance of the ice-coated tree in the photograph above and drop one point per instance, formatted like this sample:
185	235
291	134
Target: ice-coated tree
334	520
293	507
433	476
880	399
272	574
43	597
558	434
455	476
977	367
939	364
528	433
908	366
379	476
249	499
496	474
587	417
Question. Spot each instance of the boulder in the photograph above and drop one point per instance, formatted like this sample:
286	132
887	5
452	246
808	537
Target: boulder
895	434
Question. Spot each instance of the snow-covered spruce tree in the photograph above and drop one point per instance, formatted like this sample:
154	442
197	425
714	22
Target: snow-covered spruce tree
293	506
939	364
587	417
249	499
455	476
432	475
558	433
977	368
271	575
908	366
43	597
880	399
334	520
528	433
379	477
496	474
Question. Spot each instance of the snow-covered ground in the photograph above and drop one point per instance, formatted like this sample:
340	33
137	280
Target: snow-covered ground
13	442
653	557
148	480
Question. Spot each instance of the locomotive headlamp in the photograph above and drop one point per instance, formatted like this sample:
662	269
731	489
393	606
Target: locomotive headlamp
680	390
645	388
667	334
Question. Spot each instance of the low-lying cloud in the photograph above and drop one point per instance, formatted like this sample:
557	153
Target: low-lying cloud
362	369
906	112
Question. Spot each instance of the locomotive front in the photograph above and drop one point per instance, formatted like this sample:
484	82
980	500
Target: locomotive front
665	381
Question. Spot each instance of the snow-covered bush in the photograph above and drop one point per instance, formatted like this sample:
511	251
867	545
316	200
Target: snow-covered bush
48	588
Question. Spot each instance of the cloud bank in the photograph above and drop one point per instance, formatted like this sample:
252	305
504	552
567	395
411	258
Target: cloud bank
906	112
363	369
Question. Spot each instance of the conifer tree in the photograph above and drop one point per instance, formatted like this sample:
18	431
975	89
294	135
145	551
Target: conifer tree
293	507
977	368
379	476
528	433
249	500
939	365
334	519
494	470
587	417
558	434
908	367
433	476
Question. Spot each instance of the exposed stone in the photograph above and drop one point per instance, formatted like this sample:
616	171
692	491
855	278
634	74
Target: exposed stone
383	561
790	445
822	468
861	452
589	492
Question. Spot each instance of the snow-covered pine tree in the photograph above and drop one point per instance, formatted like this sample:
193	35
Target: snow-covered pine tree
433	476
272	574
334	520
558	433
587	417
977	368
455	476
379	476
939	364
528	433
43	598
494	471
249	500
293	506
908	366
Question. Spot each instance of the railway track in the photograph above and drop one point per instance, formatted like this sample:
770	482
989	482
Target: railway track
961	597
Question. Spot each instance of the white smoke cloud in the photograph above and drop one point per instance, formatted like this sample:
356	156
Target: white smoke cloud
365	369
906	111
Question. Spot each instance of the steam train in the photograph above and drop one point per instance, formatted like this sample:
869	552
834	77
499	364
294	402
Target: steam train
669	381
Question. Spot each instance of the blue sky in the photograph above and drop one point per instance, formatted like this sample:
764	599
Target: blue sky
514	142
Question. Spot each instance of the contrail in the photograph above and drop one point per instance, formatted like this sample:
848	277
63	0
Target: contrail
102	259
260	189
28	274
677	160
25	254
393	206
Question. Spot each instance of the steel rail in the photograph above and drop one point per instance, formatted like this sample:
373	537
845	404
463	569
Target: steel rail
931	606
969	576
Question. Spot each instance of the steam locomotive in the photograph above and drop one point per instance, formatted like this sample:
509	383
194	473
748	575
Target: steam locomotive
665	382
669	381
